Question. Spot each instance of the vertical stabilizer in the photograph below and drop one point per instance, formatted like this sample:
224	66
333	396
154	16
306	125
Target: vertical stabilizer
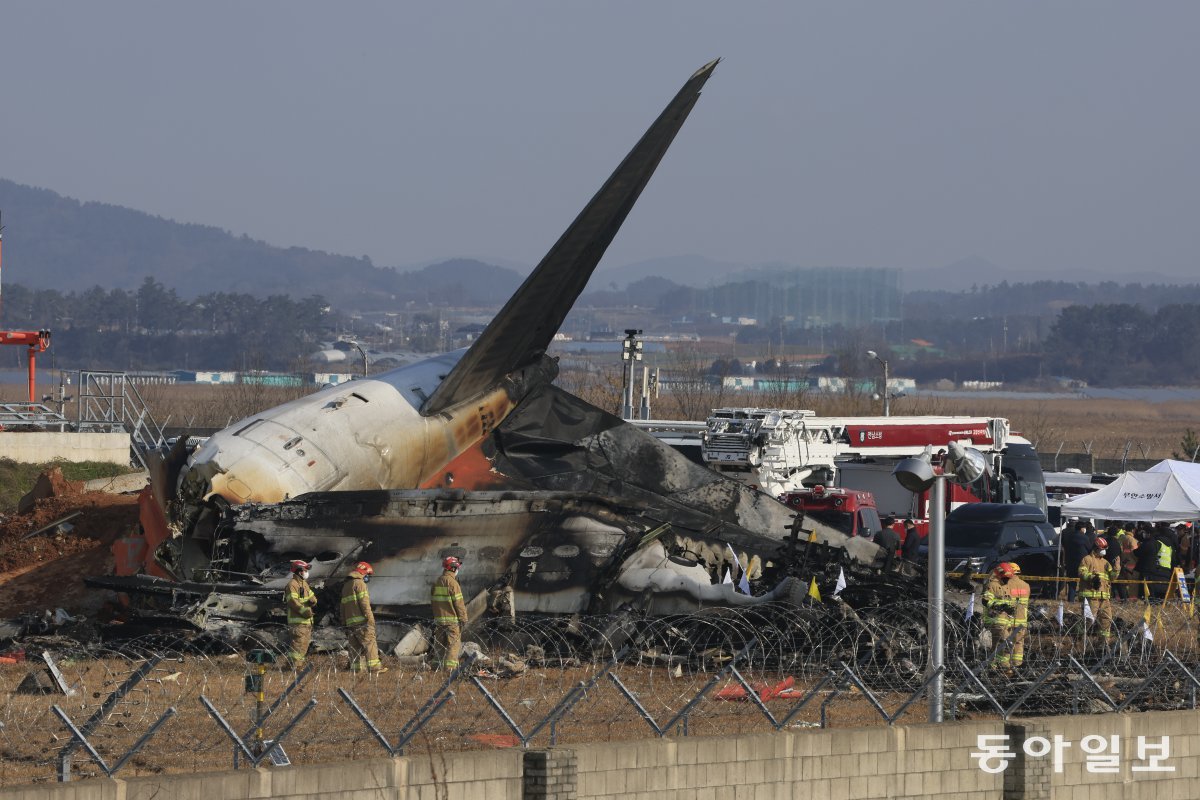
522	331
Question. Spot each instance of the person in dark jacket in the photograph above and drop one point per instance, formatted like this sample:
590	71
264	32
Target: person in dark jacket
1158	558
912	542
889	540
1075	545
1189	545
1113	534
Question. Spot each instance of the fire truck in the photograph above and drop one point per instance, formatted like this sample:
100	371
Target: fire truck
781	451
846	510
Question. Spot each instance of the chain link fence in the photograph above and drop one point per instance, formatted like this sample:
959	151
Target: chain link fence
166	704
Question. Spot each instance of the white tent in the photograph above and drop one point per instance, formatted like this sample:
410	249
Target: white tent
1184	470
1162	496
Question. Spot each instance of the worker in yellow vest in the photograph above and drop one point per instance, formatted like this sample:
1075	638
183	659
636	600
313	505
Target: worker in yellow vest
1096	574
359	621
1006	612
449	615
300	602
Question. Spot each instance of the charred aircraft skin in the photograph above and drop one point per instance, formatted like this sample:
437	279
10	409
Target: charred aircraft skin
562	552
588	514
573	508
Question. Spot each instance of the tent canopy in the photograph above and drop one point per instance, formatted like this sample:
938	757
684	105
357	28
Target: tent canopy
1155	496
1187	471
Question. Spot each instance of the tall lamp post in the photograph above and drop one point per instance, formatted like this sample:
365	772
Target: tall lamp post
887	404
362	353
631	353
916	474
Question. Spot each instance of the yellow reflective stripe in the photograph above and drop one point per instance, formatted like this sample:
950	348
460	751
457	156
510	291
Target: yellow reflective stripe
350	598
355	620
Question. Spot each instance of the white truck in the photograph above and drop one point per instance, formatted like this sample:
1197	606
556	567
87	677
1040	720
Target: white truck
785	450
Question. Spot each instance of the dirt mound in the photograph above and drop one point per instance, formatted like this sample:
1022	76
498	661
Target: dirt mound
46	571
50	483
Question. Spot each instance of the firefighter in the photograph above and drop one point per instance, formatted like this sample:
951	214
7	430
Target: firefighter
1006	612
300	601
1129	576
1095	580
449	615
359	620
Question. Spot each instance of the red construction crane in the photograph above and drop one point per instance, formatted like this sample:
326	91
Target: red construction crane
36	341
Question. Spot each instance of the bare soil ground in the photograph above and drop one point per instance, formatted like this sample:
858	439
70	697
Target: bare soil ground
192	741
45	571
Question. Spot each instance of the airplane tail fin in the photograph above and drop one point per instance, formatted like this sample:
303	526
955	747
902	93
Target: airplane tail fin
522	331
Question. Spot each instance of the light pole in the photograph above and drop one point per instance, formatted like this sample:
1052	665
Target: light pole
887	405
916	474
362	353
631	353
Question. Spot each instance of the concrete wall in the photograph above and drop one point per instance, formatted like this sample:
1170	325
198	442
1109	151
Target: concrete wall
917	761
40	447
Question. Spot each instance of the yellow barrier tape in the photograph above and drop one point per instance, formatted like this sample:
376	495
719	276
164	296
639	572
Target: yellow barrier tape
1063	579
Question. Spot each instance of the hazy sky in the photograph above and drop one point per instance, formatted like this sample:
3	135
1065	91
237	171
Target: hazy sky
1038	135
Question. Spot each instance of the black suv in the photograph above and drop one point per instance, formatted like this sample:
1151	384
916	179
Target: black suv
981	535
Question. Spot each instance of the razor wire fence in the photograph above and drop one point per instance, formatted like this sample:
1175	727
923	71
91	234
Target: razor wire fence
163	704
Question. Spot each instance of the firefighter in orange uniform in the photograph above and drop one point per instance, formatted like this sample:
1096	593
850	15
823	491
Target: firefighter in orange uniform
359	620
449	615
300	601
1006	611
1095	580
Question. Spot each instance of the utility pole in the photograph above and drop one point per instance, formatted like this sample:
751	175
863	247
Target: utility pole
631	353
887	398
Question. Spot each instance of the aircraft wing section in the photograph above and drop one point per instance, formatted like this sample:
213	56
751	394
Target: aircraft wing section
522	331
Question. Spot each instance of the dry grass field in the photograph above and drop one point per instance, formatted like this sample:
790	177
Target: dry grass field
31	735
1103	427
1106	428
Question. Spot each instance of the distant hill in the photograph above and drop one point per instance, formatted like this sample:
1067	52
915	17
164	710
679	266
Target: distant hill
974	271
690	270
55	242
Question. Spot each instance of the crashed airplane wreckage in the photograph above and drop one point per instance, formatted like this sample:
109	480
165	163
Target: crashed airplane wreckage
476	454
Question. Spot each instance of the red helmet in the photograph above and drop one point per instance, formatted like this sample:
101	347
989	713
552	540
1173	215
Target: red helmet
300	566
451	563
1101	542
363	568
1006	570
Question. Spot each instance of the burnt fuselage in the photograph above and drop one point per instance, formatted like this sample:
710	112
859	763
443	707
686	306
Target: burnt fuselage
562	552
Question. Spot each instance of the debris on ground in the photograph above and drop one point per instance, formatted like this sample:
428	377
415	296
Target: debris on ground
129	483
46	570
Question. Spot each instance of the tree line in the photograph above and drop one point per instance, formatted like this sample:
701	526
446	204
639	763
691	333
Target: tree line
154	328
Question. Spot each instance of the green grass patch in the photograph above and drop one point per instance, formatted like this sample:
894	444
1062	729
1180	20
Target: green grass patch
17	479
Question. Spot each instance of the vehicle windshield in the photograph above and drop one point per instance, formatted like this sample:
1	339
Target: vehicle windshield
977	536
869	523
839	520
